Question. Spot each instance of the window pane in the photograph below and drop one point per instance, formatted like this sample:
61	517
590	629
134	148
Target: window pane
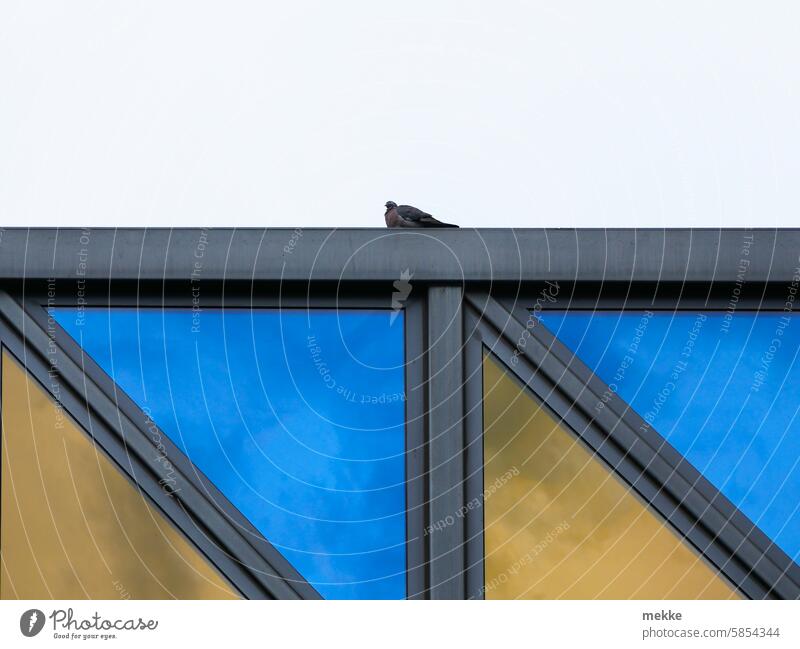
723	389
297	416
560	525
72	526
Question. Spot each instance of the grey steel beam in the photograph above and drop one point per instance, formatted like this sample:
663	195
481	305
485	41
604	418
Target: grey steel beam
445	531
445	256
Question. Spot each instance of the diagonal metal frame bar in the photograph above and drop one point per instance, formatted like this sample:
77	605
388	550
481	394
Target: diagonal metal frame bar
644	460
759	297
126	434
133	451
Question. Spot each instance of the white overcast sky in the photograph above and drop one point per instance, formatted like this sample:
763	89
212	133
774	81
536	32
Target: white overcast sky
493	113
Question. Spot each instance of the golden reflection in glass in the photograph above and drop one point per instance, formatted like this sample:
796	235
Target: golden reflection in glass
73	527
560	525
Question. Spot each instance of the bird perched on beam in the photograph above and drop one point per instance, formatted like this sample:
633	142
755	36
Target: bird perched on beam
406	216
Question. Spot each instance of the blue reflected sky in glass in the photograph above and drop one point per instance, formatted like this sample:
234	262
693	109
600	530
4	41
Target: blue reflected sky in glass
297	417
723	390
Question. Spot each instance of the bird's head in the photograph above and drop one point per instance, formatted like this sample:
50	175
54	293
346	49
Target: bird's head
390	205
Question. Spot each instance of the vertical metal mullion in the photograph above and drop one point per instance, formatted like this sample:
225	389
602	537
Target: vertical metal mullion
416	476
445	531
474	480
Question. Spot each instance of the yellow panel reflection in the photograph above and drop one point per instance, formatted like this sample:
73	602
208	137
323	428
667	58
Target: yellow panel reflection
560	525
73	527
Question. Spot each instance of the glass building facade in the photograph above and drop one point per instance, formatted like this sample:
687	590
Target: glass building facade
368	418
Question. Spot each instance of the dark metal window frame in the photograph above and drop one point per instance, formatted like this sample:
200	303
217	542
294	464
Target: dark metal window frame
471	292
615	434
126	434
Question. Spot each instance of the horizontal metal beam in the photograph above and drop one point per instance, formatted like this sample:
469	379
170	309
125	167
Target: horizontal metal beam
451	256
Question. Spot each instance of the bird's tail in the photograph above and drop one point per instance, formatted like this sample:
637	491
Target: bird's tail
436	223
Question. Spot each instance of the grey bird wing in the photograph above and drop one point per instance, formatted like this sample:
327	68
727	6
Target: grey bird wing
420	218
411	213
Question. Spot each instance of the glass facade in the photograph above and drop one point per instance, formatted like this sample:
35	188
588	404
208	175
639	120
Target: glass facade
559	525
297	417
722	388
73	527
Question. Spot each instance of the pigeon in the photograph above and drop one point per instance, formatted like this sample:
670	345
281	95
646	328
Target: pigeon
406	216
